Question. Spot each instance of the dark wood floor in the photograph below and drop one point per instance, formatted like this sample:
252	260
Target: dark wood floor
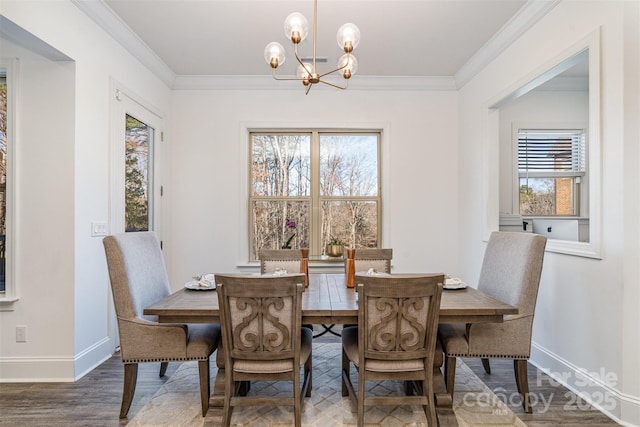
553	405
95	399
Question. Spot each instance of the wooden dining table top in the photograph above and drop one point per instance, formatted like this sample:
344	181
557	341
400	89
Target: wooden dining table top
327	300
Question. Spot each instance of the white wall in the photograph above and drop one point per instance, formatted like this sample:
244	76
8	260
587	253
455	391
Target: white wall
63	185
206	196
584	305
44	182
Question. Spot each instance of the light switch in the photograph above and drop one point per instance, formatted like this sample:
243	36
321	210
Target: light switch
98	228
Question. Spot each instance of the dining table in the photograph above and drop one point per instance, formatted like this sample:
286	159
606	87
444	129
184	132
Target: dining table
327	300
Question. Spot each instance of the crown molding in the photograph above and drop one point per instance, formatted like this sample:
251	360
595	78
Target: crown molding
109	21
269	83
532	12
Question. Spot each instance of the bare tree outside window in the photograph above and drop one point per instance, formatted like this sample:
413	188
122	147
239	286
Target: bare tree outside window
331	194
349	189
137	137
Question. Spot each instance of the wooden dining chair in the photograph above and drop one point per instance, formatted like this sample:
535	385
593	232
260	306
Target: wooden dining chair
263	339
138	279
510	273
378	259
395	340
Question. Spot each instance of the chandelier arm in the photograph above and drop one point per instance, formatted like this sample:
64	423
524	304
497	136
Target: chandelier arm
335	85
295	52
273	73
333	71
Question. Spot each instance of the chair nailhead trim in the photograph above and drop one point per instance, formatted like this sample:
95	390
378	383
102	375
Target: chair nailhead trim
487	356
178	359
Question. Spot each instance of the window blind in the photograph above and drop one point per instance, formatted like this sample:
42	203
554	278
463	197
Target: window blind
551	151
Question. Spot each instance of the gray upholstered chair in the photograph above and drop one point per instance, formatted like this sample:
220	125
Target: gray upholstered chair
263	338
378	259
138	279
395	340
510	273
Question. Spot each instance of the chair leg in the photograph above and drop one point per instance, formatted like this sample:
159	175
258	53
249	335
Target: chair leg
485	364
129	388
229	391
427	389
522	382
345	371
163	368
297	411
408	388
360	395
205	385
308	374
450	373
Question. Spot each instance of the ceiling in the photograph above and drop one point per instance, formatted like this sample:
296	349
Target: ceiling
400	38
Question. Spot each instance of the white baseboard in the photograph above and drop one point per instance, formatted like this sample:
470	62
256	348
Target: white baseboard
93	357
54	369
596	388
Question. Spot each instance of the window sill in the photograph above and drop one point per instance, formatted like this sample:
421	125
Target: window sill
6	302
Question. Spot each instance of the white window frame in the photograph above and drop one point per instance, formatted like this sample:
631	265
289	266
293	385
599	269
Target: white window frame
314	198
125	102
582	210
243	209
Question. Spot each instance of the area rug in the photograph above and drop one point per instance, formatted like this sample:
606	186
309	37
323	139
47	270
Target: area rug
177	402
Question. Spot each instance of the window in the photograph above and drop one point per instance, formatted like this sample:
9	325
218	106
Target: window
307	188
138	136
551	172
3	177
135	189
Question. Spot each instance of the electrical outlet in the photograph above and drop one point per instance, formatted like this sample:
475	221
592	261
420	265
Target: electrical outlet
21	334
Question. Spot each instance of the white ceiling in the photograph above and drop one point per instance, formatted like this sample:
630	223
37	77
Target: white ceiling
408	38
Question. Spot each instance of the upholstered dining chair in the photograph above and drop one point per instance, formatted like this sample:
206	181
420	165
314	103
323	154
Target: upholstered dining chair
263	339
138	279
291	260
395	340
378	259
286	259
510	272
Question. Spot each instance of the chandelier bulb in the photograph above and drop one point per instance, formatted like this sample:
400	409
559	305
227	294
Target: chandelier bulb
296	27
274	54
348	64
348	37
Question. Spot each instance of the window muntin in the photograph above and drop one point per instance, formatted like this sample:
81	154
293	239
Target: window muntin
328	183
551	169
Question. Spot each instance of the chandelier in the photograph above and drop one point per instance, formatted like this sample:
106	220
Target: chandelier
296	28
